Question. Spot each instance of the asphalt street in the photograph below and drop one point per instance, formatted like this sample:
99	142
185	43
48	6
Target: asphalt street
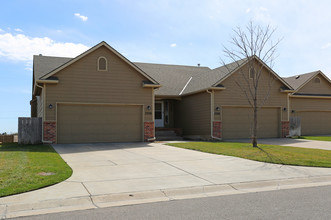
304	203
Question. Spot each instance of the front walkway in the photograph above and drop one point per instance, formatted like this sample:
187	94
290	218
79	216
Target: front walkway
130	173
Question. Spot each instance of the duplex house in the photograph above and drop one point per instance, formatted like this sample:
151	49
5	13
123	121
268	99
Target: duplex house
100	96
311	102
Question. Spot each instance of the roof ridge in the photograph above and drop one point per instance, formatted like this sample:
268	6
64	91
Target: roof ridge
164	64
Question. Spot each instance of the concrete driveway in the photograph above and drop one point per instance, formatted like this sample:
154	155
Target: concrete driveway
128	173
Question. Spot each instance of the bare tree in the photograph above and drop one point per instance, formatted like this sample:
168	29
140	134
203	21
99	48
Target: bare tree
252	43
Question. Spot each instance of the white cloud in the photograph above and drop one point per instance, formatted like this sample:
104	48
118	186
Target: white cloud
326	45
1	30
18	30
248	10
263	9
173	45
20	47
82	17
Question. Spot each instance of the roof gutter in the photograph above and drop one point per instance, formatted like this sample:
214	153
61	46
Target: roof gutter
47	81
308	96
151	85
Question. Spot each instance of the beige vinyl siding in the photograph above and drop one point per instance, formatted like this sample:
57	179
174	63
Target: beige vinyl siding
315	114
233	95
40	106
192	114
237	122
323	87
82	83
310	104
99	123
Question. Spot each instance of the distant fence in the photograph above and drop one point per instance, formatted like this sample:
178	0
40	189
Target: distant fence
5	139
29	130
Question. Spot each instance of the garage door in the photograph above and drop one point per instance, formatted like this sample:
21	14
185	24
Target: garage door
99	123
237	122
315	123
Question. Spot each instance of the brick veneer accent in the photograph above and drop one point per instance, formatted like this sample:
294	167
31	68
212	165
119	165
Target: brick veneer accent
50	131
217	129
285	128
148	130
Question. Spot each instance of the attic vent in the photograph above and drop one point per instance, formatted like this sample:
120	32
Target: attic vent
102	64
317	80
40	54
198	64
297	77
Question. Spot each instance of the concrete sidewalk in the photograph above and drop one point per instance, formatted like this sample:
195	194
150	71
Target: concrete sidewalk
324	145
130	173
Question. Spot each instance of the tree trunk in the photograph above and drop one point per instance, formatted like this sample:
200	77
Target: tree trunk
254	136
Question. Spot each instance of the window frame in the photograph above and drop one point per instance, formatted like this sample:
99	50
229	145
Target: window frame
317	80
250	73
98	63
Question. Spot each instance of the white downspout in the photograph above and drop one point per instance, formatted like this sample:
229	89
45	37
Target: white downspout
42	123
212	114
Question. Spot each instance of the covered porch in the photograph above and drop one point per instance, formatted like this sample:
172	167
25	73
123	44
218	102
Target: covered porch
166	126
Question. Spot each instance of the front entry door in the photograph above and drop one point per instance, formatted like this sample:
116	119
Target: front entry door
159	120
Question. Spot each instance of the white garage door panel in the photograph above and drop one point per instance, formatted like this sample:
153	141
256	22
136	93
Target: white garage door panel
99	123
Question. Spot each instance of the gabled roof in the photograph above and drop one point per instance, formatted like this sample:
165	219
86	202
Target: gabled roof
173	78
298	81
176	80
71	61
216	76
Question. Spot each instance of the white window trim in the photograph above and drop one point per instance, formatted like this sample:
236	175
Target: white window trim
102	57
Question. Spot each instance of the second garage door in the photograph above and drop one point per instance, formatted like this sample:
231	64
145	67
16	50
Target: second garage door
98	123
315	123
237	122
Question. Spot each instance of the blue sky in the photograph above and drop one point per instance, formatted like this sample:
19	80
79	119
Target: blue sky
161	31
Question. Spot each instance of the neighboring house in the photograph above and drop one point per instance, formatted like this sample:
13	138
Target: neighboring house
311	101
100	96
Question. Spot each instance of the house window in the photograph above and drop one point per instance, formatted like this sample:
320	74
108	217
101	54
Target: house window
317	80
102	64
251	73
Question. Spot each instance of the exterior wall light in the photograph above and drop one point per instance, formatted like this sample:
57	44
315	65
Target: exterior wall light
217	108
50	106
293	111
284	109
149	107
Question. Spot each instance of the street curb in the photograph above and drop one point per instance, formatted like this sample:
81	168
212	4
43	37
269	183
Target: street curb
131	198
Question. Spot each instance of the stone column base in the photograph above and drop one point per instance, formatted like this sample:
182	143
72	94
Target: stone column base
49	130
149	131
285	129
217	129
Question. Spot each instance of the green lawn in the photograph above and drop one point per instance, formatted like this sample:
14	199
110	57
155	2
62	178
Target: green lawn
265	153
316	138
29	167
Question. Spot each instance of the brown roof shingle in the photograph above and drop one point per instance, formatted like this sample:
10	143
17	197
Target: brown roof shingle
299	80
